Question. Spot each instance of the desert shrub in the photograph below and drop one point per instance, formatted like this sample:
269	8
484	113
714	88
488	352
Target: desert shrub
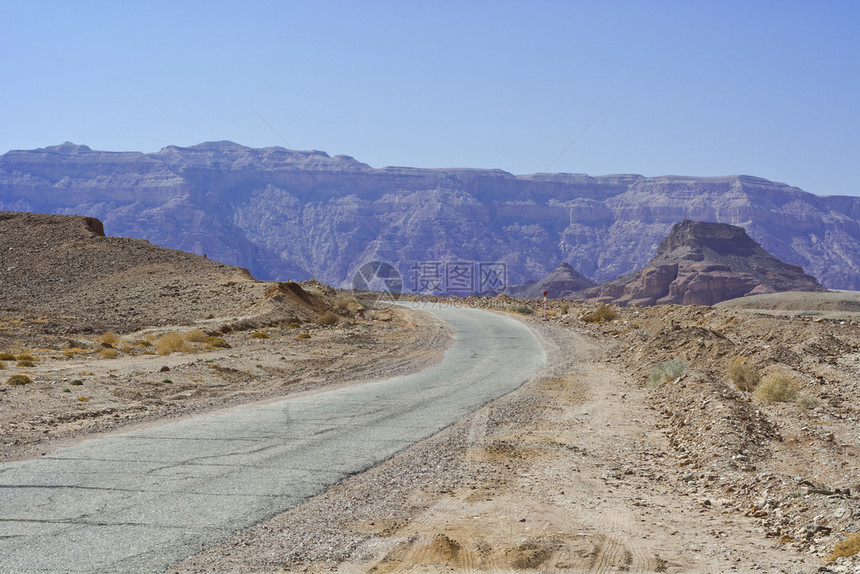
744	376
83	399
294	325
603	313
667	371
805	403
26	363
142	343
108	353
777	388
260	335
565	309
328	318
109	338
18	380
305	336
2	365
521	309
7	357
26	357
348	304
216	343
72	351
847	547
195	336
77	382
173	342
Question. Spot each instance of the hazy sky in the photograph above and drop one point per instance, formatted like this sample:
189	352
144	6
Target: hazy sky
766	88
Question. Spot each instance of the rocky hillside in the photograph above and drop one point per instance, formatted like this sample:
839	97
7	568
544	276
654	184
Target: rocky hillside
286	214
66	268
702	263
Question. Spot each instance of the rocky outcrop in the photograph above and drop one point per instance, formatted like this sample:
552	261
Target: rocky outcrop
562	282
702	263
287	214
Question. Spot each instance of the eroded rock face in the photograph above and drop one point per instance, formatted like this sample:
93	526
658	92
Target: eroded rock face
701	263
287	214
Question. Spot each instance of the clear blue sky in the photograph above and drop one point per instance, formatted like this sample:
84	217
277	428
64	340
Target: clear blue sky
766	88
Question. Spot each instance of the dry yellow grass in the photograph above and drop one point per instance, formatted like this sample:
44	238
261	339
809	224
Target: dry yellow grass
744	376
18	380
603	313
7	357
195	336
72	351
109	338
847	547
260	335
216	343
173	342
108	353
777	388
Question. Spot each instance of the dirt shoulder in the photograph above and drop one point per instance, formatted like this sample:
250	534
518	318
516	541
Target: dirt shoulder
587	468
84	386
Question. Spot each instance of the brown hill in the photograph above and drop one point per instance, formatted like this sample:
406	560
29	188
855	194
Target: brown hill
562	282
702	263
64	269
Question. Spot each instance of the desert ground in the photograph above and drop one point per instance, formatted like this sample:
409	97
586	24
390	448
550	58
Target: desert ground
646	445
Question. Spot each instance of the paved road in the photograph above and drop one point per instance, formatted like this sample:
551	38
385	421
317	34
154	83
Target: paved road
141	501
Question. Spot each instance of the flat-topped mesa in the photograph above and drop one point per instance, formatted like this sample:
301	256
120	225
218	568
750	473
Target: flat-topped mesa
701	263
699	240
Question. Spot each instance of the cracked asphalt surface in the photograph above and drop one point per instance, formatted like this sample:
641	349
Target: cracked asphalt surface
142	501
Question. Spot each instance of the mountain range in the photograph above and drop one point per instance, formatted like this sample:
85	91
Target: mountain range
286	214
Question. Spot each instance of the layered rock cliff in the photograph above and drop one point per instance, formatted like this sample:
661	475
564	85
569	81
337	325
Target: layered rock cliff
288	215
701	264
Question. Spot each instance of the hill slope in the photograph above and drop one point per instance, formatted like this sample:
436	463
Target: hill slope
288	215
65	267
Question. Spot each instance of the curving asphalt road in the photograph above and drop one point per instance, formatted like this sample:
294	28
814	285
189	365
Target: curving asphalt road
141	501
